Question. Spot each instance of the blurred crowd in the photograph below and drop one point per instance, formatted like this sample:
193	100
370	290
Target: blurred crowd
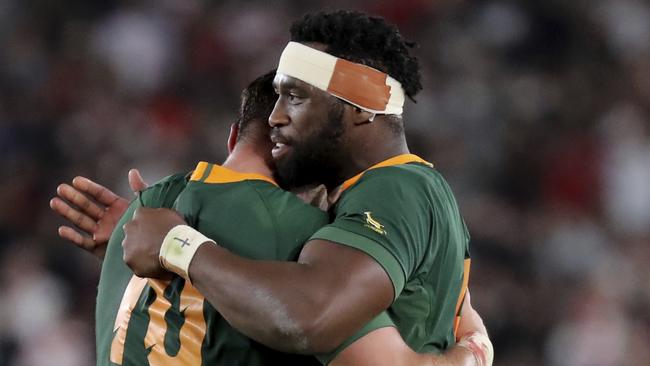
537	112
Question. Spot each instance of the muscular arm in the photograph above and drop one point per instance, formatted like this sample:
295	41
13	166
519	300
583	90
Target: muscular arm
313	305
385	346
306	307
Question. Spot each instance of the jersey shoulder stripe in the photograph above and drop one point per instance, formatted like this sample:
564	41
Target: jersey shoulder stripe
217	174
396	160
200	172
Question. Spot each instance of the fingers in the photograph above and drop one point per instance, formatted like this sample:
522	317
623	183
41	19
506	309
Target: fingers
80	200
471	321
76	217
467	302
74	236
144	213
335	194
105	228
136	182
136	214
100	193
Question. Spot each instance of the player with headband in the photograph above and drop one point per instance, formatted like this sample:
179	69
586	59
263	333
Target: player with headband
360	85
119	311
397	241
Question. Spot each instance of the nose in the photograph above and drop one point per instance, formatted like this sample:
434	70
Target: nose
279	116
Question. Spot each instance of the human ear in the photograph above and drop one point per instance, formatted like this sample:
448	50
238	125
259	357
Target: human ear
360	117
232	138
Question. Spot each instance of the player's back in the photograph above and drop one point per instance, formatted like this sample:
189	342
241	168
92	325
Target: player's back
171	323
243	211
266	223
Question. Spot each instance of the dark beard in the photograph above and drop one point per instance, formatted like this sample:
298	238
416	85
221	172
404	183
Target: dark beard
317	159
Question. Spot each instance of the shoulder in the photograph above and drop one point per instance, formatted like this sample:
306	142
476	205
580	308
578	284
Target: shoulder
237	196
171	180
295	221
164	192
286	204
412	180
406	191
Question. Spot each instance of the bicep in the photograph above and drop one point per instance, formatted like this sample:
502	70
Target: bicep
348	285
354	276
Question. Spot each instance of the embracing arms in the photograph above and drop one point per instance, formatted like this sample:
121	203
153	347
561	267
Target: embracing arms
385	346
309	306
311	300
311	316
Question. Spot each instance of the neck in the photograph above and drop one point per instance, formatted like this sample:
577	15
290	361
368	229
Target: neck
245	159
369	148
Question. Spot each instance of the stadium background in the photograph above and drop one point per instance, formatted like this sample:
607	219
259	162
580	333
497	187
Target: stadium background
536	111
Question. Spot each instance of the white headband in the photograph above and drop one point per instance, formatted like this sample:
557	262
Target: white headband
359	85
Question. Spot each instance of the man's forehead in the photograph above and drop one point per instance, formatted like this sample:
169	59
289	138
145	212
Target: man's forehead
286	81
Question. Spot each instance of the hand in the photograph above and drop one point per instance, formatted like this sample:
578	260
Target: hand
314	195
93	209
318	196
334	195
143	237
473	334
470	320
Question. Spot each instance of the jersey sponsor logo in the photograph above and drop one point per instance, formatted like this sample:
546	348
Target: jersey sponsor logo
373	224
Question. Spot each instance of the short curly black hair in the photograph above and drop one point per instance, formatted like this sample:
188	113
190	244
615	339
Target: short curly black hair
257	102
365	39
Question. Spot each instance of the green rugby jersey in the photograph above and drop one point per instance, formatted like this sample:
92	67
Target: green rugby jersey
169	322
403	214
115	275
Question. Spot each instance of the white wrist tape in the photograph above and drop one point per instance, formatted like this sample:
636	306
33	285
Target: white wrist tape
481	347
179	247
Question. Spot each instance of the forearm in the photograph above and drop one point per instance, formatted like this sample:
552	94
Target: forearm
385	347
287	306
383	355
261	299
455	356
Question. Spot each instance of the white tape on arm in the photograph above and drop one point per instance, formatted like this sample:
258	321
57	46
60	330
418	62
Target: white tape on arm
179	247
481	347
